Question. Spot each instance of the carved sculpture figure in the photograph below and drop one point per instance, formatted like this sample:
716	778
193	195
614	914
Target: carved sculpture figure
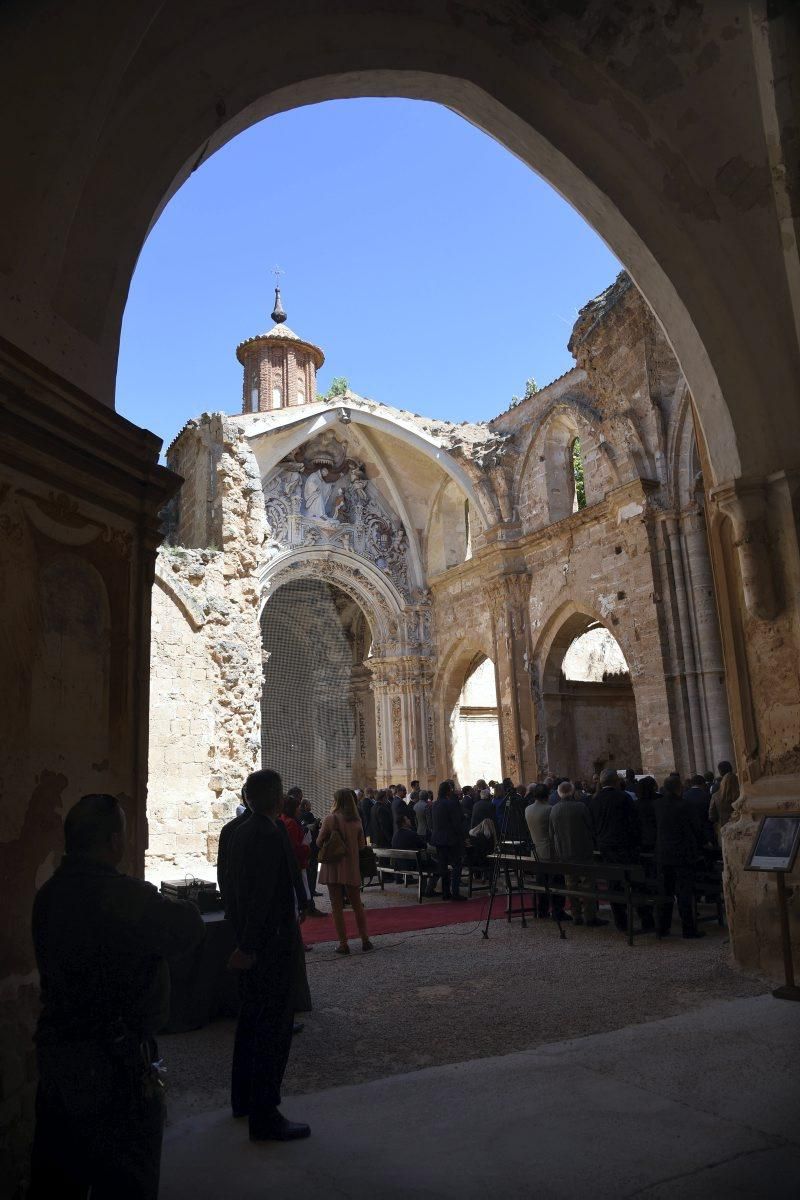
319	496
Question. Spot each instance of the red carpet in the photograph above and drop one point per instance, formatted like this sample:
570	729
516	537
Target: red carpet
404	918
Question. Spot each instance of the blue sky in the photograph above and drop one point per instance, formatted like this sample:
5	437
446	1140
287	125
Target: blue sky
435	270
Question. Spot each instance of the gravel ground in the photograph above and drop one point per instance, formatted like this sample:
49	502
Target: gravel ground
447	995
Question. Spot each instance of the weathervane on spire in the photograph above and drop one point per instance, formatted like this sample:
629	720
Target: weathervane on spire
278	312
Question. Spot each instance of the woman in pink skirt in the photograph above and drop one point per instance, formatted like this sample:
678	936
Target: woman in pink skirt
344	874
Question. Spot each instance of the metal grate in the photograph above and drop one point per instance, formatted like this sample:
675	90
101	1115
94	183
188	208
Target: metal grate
307	712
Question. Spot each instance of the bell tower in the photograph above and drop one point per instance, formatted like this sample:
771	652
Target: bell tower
280	368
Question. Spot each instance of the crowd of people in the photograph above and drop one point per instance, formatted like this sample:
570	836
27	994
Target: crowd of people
103	939
673	831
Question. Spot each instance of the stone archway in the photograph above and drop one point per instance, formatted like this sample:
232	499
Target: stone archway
317	704
588	707
584	721
475	725
400	666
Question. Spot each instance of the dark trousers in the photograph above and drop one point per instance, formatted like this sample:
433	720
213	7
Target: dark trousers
263	1032
547	902
115	1153
620	911
676	881
311	871
450	858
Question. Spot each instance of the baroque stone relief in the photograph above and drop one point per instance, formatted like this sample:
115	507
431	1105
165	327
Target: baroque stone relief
320	496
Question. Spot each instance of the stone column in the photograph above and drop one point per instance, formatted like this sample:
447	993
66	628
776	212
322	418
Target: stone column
685	662
753	537
509	596
705	623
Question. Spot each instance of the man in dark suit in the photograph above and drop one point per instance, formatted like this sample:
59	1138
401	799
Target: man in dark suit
678	846
399	807
618	837
447	818
102	941
226	836
262	907
381	826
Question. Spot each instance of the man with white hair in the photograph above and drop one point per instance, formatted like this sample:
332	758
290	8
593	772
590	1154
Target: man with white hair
572	840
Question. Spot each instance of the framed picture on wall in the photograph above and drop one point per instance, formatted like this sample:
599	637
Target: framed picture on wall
776	843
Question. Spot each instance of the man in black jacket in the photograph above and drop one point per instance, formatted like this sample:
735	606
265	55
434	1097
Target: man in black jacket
618	837
226	836
102	940
381	826
447	818
260	883
399	807
679	835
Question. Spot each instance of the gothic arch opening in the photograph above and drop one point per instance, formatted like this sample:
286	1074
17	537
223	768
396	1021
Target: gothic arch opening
588	703
317	708
475	726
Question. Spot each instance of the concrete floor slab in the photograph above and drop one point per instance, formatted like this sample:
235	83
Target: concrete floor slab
655	1111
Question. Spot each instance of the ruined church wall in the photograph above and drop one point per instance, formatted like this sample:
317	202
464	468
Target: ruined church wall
206	660
180	802
600	563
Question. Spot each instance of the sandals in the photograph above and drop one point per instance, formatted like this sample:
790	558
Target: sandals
342	950
367	946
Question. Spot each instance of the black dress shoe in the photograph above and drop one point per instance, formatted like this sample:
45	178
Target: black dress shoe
298	1027
278	1129
694	933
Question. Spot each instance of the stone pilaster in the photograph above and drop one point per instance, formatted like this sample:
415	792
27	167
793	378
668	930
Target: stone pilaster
80	494
404	719
509	595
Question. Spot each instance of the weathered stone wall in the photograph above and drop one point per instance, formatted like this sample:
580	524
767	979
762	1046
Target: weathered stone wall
209	629
183	686
78	533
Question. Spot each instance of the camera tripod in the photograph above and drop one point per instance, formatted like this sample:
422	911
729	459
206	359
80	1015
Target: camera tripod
517	868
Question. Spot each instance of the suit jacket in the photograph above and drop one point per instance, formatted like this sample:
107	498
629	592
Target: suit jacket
226	836
400	807
422	815
381	826
571	834
365	807
677	832
260	885
102	940
447	818
537	817
616	825
481	811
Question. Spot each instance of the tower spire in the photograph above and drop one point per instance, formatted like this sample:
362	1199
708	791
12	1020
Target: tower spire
278	313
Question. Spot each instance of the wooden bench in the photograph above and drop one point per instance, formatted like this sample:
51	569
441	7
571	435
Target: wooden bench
413	866
628	882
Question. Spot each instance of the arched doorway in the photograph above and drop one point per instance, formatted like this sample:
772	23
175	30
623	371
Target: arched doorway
317	707
588	706
475	725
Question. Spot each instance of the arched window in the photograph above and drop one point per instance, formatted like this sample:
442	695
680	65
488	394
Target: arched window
579	485
276	397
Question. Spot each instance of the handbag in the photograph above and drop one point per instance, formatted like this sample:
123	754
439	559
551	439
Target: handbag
367	862
334	849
